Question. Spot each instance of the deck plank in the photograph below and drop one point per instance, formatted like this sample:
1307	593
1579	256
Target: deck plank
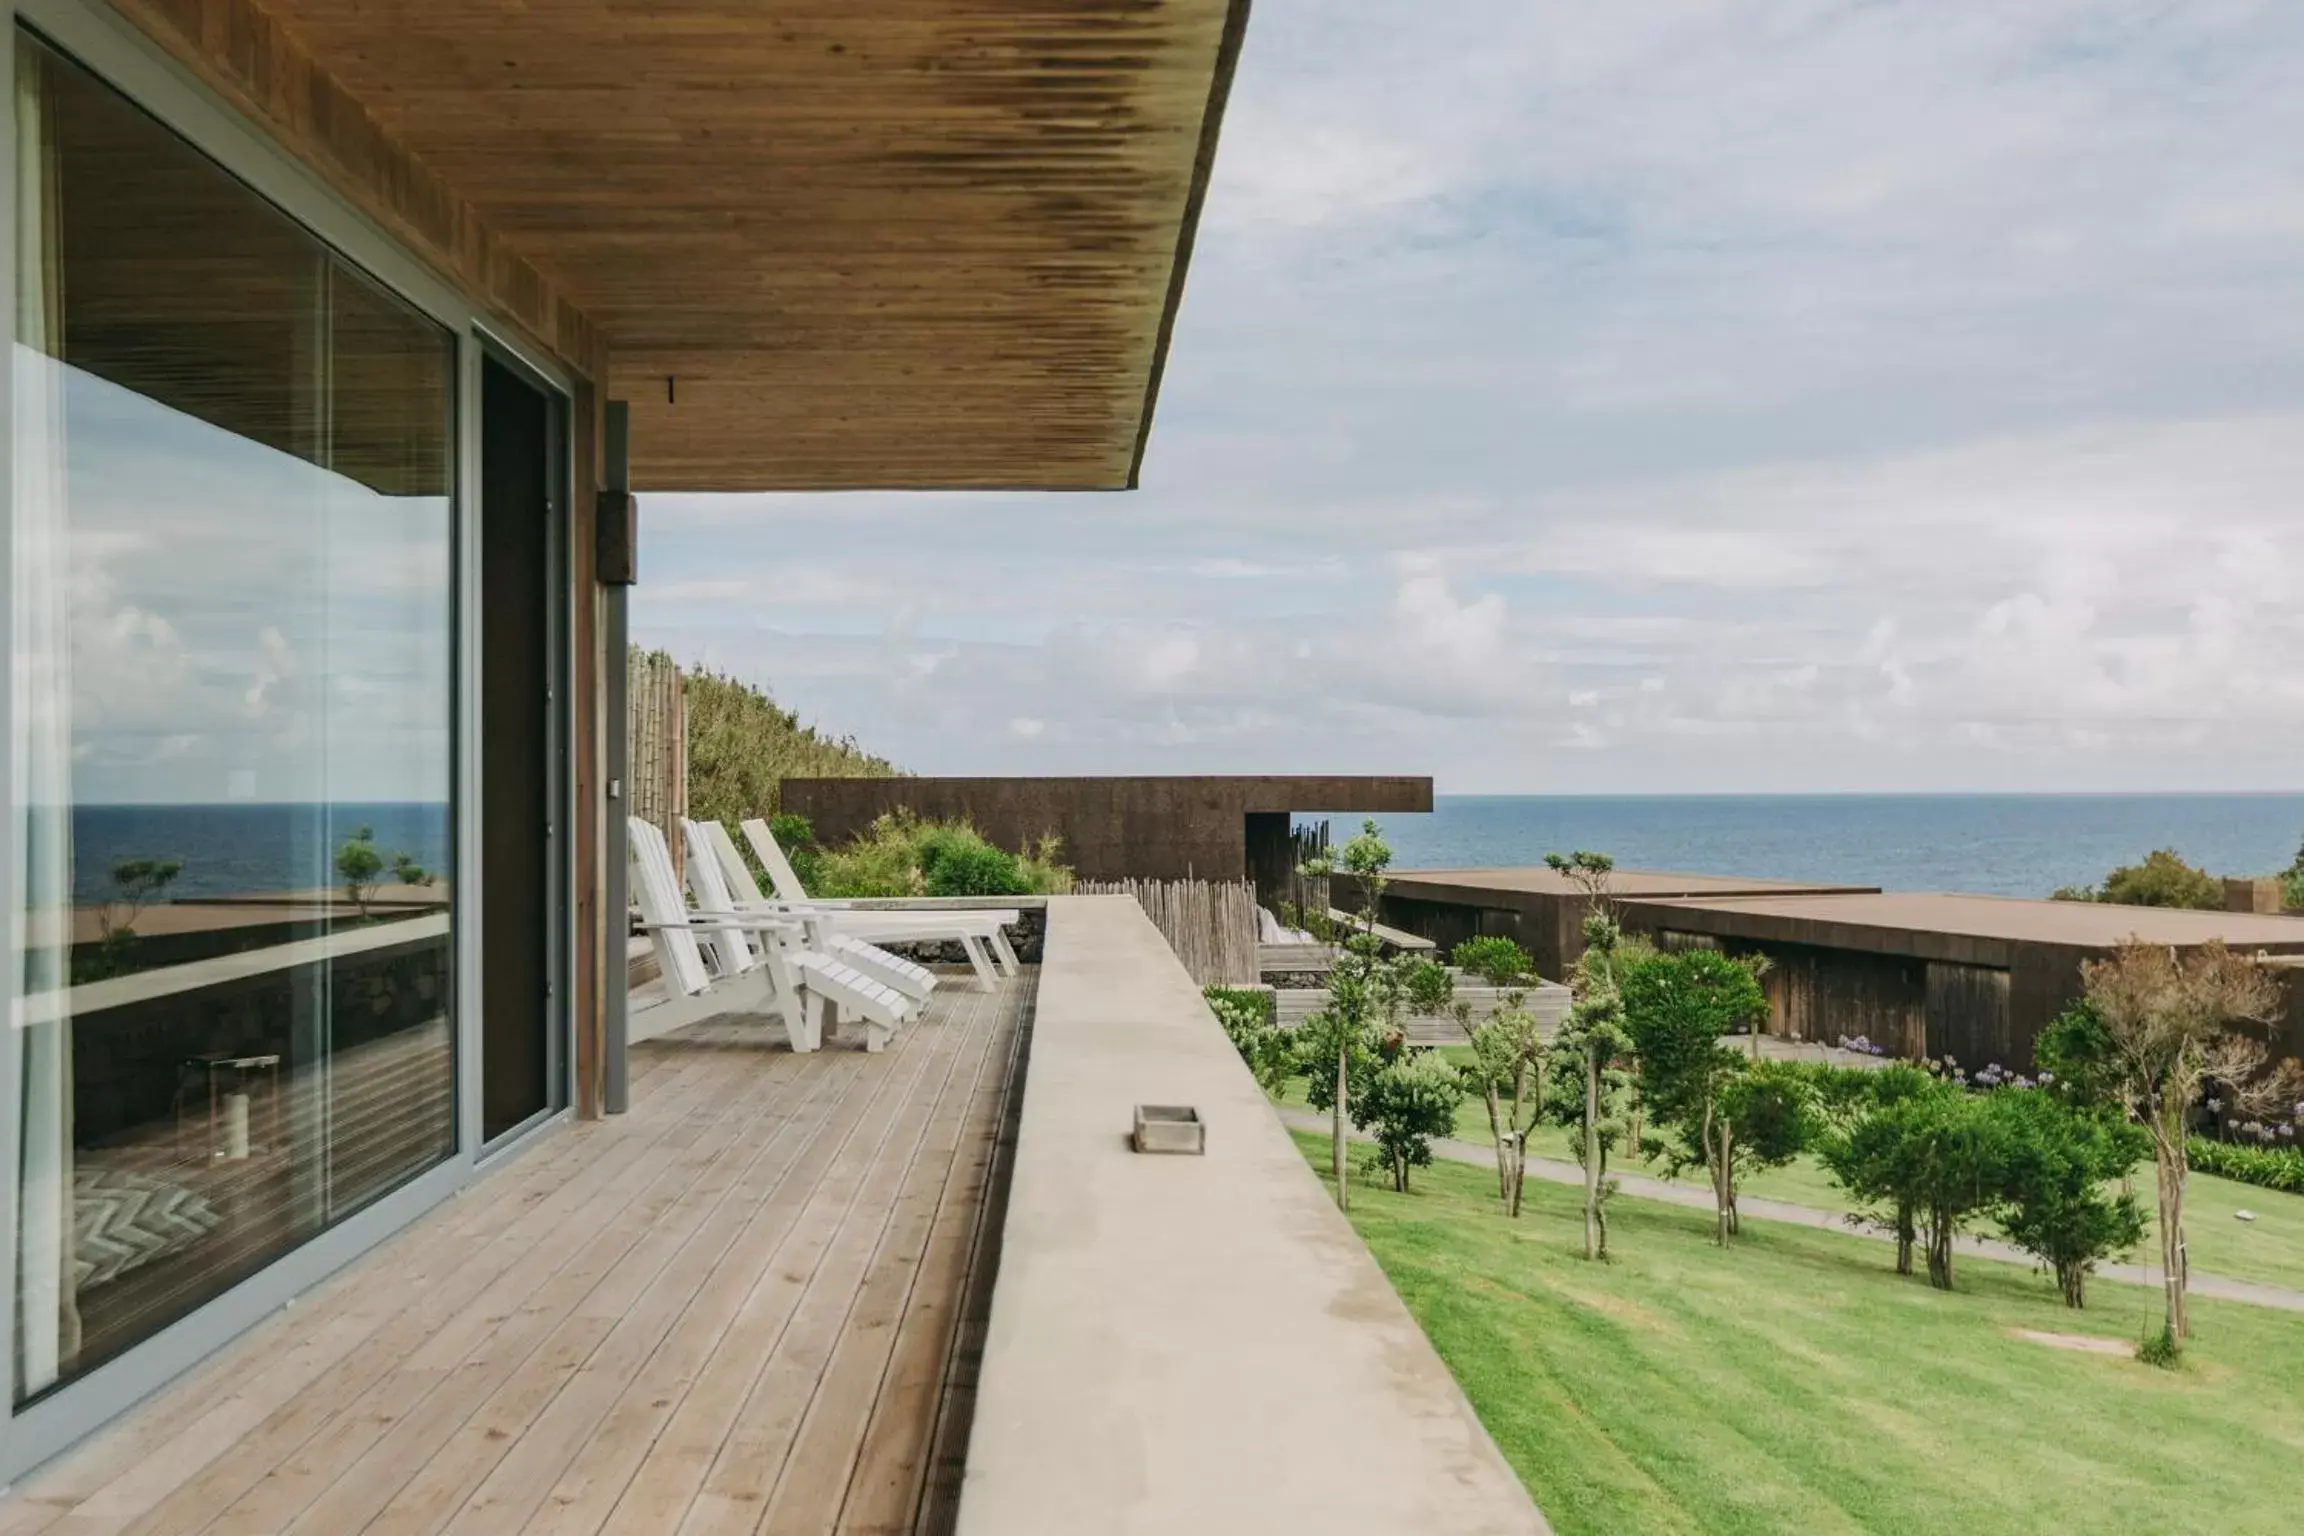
105	1483
727	1309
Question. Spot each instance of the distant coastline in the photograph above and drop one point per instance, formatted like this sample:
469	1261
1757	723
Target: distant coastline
2002	845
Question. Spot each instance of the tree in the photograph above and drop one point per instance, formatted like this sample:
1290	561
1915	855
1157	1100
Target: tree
1937	1156
361	867
2169	1021
2057	1163
1361	989
137	884
1508	1055
2162	880
1411	1098
1678	1004
1774	1110
1592	1095
1591	873
1857	1155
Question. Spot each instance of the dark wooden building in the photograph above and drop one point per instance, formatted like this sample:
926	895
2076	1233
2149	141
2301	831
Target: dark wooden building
1212	827
1918	974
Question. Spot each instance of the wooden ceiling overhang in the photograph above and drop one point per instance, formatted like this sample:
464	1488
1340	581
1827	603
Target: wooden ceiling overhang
821	244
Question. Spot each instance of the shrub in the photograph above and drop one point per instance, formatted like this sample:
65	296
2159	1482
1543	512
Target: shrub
2274	1168
973	869
879	862
796	835
1250	1020
901	855
2162	880
2076	1058
1496	960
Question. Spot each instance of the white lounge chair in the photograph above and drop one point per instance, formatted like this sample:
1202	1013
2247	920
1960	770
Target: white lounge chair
721	883
977	930
807	989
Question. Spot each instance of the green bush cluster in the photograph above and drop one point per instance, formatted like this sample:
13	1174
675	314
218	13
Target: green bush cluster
1250	1020
902	855
1929	1157
2162	880
2277	1168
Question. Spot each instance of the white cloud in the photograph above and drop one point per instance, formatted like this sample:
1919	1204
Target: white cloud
1783	394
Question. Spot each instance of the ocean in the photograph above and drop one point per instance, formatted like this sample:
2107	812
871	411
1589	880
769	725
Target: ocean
2003	845
239	849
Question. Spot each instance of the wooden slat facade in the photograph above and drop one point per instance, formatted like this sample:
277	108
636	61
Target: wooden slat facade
734	1309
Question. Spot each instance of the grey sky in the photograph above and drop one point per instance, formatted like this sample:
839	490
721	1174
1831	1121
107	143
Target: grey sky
1645	397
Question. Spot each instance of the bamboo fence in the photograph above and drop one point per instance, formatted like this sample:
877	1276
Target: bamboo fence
656	778
1211	924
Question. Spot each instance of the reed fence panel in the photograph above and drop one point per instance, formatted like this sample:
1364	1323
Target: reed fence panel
656	778
1211	924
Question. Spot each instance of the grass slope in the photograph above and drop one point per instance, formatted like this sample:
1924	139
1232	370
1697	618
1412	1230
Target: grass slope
1796	1383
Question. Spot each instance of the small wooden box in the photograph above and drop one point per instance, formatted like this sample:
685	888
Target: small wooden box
1170	1128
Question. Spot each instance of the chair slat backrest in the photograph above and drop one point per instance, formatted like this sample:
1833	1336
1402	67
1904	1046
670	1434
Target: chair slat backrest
780	871
733	869
657	890
730	943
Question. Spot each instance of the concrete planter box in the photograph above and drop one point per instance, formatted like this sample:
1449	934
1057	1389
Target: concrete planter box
1170	1128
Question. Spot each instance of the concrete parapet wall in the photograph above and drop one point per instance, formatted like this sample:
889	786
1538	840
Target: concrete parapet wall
1195	1344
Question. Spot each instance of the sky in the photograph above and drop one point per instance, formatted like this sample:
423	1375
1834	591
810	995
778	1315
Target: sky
1643	397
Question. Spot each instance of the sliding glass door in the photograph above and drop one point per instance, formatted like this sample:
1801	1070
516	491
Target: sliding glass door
233	627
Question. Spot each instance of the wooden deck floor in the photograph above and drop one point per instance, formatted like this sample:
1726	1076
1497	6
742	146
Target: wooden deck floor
732	1309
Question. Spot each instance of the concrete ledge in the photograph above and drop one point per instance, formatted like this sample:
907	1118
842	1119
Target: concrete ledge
1195	1344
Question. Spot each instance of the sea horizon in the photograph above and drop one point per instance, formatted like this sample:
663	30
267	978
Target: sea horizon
1993	843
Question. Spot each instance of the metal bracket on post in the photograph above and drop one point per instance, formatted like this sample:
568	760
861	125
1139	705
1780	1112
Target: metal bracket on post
619	566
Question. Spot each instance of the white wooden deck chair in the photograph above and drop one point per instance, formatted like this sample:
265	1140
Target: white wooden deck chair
723	883
692	994
976	930
813	989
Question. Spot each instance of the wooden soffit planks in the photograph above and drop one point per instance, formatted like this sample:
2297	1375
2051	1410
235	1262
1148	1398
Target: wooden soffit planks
830	243
243	53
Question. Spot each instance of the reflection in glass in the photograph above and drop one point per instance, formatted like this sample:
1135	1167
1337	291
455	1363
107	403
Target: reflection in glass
232	641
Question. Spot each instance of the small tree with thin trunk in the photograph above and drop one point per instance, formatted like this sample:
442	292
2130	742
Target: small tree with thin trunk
2168	1019
1592	1090
1508	1055
1362	991
1678	1006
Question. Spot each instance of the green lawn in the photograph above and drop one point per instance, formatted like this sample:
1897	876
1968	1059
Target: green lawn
1796	1383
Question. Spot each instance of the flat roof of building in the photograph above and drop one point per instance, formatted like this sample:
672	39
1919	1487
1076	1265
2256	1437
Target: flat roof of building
1273	792
1542	880
2014	919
